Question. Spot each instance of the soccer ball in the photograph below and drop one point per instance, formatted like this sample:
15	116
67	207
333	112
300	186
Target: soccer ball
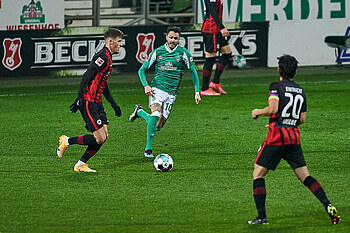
238	61
163	163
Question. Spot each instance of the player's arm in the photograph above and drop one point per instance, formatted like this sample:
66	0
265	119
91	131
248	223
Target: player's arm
272	108
303	111
110	99
89	73
96	65
188	59
195	80
302	118
142	72
268	111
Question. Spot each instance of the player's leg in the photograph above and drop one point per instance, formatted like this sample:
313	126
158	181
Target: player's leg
315	187
220	67
167	106
101	136
295	158
210	58
161	122
259	193
267	159
90	114
152	128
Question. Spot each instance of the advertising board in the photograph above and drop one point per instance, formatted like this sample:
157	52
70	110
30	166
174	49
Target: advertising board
43	52
31	14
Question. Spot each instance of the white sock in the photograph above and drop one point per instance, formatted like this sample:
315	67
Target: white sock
66	141
79	163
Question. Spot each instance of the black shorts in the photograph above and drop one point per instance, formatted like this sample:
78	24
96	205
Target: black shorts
94	115
214	41
270	156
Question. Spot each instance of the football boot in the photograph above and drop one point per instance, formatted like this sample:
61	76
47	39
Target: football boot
259	221
333	214
209	91
133	116
83	168
148	154
217	87
62	146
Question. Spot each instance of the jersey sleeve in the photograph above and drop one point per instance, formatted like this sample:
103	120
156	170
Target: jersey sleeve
304	106
145	66
188	59
211	4
273	92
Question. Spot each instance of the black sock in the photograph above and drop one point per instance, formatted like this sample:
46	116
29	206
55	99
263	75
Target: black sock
90	151
207	69
316	188
220	67
83	140
259	191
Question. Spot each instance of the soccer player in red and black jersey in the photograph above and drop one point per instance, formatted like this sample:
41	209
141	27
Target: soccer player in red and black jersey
215	37
89	101
287	110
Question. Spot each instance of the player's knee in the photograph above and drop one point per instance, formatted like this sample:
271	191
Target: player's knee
155	115
101	139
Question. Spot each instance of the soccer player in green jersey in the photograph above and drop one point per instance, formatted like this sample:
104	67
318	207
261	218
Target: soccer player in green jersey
170	62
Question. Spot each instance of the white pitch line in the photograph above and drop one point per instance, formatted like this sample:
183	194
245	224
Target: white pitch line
133	89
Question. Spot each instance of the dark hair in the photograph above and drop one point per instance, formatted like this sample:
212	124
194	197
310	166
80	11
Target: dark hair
113	33
287	66
174	29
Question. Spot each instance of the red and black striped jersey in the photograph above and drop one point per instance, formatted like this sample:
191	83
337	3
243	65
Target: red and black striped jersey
212	22
283	126
95	77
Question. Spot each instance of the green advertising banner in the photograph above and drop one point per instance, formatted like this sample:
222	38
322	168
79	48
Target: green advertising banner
279	10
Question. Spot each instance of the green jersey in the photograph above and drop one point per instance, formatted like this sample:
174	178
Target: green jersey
169	68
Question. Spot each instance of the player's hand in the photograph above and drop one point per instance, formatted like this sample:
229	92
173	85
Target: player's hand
149	90
225	32
117	110
197	97
255	114
75	106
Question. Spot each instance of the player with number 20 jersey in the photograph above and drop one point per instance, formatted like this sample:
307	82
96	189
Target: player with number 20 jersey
287	110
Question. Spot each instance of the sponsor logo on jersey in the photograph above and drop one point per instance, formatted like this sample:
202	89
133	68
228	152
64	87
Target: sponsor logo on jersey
145	45
12	53
99	61
168	66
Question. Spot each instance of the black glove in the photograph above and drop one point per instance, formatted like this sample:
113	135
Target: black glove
117	110
76	105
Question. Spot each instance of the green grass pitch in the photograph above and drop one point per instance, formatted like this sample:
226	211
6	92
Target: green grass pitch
213	145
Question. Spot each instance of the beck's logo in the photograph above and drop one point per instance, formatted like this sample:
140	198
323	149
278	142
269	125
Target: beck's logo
145	45
12	57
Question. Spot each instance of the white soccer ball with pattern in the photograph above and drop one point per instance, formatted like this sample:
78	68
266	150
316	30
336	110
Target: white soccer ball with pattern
238	61
163	163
